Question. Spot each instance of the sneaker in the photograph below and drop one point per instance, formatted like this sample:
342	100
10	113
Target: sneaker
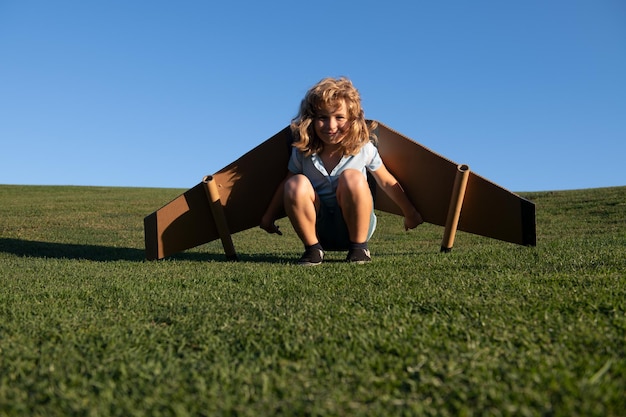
311	257
359	256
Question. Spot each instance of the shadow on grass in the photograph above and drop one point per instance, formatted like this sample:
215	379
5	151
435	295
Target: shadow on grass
36	249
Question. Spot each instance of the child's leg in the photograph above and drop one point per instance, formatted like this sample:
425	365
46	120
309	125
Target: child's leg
301	207
355	199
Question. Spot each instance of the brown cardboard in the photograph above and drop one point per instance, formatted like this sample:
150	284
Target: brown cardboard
454	209
428	179
247	185
217	212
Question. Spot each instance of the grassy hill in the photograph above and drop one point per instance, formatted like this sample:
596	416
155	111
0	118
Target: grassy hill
88	327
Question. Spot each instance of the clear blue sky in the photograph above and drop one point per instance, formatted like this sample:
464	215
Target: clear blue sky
530	94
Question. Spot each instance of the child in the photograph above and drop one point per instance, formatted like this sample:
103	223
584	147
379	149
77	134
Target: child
326	194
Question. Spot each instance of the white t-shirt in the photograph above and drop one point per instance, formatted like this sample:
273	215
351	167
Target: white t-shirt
324	183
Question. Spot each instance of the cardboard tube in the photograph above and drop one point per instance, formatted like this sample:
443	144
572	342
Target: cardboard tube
219	218
454	210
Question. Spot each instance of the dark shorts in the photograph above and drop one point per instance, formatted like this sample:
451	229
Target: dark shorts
332	230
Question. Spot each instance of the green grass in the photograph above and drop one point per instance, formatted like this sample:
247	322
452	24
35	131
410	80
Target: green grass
88	328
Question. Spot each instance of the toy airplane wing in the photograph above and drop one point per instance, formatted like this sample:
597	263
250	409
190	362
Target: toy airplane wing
235	198
439	188
200	215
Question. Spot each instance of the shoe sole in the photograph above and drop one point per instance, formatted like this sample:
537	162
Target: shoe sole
309	263
359	262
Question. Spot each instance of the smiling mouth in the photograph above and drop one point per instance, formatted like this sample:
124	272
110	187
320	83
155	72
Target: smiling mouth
332	137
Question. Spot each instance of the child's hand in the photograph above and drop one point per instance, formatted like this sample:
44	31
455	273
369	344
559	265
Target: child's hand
269	226
412	220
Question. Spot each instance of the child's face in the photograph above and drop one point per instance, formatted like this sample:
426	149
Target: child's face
331	124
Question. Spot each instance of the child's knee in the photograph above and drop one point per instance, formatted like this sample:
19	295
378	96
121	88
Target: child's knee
297	187
352	181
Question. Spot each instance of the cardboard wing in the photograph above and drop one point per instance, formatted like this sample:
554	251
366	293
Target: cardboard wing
235	198
429	180
245	188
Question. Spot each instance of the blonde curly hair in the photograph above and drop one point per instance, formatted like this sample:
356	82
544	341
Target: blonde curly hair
328	94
